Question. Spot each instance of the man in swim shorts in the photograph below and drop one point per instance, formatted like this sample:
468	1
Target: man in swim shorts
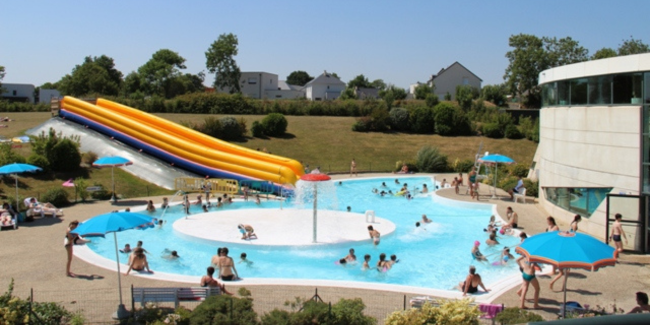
374	235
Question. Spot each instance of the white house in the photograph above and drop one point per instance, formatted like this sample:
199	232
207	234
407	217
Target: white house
264	85
324	87
454	75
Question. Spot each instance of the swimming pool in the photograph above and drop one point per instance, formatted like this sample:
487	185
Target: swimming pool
435	256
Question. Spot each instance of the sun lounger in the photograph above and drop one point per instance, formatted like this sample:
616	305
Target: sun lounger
39	211
13	224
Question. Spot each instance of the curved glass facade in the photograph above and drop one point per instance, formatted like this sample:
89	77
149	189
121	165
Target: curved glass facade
583	201
614	89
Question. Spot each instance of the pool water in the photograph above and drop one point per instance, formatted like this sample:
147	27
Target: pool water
436	255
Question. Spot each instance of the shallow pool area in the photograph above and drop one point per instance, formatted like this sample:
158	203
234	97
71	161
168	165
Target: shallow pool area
433	256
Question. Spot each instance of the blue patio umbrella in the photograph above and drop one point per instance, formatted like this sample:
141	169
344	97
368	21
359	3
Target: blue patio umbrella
15	169
112	161
568	250
496	159
114	222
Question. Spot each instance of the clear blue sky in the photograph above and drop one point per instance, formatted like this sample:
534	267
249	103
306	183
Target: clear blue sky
400	42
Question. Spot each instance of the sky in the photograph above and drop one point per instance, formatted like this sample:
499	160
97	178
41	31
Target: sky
400	42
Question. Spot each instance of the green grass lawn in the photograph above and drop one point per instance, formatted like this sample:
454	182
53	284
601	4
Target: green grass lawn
325	141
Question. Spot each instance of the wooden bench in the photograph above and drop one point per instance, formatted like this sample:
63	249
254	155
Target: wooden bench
175	295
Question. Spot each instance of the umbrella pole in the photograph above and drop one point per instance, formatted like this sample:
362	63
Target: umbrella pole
17	203
566	275
121	312
496	171
113	181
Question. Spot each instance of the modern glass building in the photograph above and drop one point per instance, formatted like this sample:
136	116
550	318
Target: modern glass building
593	158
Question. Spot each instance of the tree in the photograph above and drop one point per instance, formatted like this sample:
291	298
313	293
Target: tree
348	93
159	74
422	90
378	84
527	60
299	78
220	60
495	94
359	81
464	96
393	92
96	75
2	76
564	51
632	46
604	53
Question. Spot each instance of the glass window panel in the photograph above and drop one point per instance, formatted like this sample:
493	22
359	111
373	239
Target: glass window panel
583	201
646	88
637	88
549	94
563	92
578	91
622	86
646	119
600	90
646	178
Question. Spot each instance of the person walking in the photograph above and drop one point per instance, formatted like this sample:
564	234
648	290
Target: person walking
353	168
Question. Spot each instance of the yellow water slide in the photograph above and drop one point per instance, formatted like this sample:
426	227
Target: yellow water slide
190	149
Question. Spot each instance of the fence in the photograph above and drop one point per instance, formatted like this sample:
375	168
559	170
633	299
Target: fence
188	184
98	305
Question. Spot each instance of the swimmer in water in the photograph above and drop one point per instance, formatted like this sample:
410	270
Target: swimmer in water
366	260
425	219
476	253
374	235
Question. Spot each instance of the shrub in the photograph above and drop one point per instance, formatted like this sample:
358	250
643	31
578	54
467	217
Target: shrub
463	166
422	120
431	160
345	311
211	126
64	156
56	196
275	124
532	188
519	170
103	194
412	166
512	132
399	119
80	187
449	312
243	129
379	119
514	315
231	129
431	100
443	115
492	130
14	310
88	158
363	124
39	161
8	155
257	130
223	309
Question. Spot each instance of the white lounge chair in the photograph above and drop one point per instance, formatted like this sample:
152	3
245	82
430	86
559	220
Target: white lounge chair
521	194
13	224
41	210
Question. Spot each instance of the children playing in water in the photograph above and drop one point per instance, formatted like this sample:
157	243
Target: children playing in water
425	219
366	260
351	257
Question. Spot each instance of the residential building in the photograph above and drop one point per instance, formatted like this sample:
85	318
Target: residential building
324	87
593	158
448	78
18	92
264	85
366	93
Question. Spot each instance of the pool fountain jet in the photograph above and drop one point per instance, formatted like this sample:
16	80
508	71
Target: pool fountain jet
306	183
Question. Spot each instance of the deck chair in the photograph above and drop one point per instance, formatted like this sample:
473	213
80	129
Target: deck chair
521	194
13	224
40	211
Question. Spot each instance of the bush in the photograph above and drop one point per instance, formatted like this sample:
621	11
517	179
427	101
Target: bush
519	170
211	126
275	124
492	130
88	158
463	166
532	188
223	309
449	312
379	119
231	129
80	187
56	196
512	132
422	120
399	119
443	115
14	310
412	166
64	156
39	161
363	124
9	156
514	315
257	130
243	128
431	160
345	311
431	100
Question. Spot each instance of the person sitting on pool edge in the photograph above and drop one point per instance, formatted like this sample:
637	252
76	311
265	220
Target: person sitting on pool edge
476	253
472	282
374	235
138	261
642	302
209	281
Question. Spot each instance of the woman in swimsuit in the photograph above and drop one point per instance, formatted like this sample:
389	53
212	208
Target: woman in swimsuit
472	282
208	281
70	239
472	183
382	264
528	275
227	266
574	223
138	261
476	253
151	207
552	226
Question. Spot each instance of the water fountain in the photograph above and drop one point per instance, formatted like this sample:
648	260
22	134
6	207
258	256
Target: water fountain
307	190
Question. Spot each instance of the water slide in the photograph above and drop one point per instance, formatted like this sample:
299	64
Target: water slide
180	146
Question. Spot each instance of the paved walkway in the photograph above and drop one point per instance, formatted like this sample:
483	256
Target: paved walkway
35	257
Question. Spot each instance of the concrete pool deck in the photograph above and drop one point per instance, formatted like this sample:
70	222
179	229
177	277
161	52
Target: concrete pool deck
34	257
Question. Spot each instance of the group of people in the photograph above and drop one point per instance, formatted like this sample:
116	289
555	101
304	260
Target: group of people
382	265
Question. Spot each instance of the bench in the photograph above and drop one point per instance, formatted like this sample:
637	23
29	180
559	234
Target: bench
175	295
94	188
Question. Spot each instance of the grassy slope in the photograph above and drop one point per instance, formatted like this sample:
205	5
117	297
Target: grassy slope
318	141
